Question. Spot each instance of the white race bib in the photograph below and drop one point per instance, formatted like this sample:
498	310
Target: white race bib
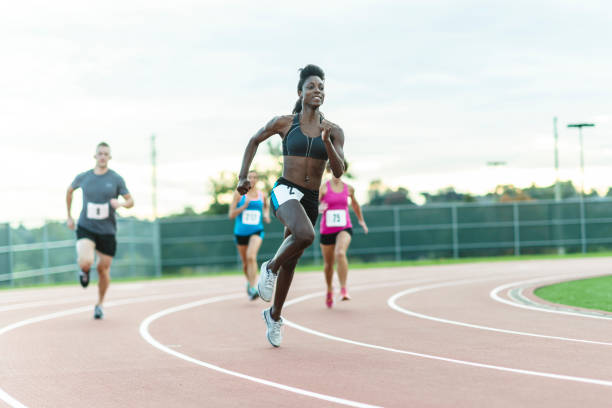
251	217
284	193
335	218
97	211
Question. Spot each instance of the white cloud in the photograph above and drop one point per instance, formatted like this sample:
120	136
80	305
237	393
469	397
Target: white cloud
427	92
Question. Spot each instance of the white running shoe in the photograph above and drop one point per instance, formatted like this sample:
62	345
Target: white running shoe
274	334
265	285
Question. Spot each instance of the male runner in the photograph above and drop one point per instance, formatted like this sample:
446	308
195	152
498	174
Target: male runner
97	227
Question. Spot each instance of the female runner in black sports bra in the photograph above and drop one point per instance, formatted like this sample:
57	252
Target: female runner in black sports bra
309	141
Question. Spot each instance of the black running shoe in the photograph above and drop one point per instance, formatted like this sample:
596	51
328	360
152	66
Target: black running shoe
84	278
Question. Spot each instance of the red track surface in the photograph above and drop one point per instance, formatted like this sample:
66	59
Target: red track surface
444	342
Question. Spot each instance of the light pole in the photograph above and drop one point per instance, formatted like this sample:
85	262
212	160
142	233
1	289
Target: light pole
557	185
583	238
580	126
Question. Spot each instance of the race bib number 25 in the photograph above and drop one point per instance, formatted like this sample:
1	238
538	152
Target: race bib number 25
97	211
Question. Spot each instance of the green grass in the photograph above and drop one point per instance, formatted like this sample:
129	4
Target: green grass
593	293
188	273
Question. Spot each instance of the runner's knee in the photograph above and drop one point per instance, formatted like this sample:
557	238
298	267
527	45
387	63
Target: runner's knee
339	254
251	257
304	238
85	264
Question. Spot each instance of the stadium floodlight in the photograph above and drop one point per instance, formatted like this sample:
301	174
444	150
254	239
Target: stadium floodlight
580	126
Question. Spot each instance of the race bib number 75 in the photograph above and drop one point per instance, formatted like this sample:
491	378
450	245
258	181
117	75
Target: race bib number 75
97	211
335	218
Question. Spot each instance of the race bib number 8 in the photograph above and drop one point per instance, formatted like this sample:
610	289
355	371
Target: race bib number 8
251	217
335	218
97	211
285	193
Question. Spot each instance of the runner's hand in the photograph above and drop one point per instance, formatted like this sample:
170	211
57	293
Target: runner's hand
267	219
325	133
244	185
322	207
70	223
364	226
115	203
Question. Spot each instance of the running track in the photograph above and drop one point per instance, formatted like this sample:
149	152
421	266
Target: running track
464	335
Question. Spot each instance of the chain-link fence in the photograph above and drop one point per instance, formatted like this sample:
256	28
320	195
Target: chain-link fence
413	232
47	254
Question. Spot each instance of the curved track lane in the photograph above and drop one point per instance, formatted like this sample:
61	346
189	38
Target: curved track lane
438	336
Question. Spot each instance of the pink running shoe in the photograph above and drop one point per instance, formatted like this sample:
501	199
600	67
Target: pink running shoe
329	299
344	294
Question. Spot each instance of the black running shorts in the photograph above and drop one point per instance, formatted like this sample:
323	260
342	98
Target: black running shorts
285	190
105	243
330	239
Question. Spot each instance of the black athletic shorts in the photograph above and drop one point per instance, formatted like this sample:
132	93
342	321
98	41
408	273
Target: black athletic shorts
284	190
330	239
105	243
244	239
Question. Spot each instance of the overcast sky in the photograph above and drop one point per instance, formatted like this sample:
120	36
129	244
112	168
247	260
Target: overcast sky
427	92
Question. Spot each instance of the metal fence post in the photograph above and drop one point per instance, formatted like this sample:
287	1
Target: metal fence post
557	227
10	254
583	238
131	257
316	249
517	232
46	251
157	248
455	228
396	229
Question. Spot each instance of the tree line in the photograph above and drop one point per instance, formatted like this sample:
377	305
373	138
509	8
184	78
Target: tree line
223	185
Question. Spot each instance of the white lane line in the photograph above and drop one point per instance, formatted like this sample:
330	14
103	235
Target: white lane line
392	302
494	294
11	401
29	305
144	332
519	296
594	381
452	360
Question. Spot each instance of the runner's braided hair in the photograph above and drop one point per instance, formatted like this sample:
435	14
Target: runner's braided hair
305	73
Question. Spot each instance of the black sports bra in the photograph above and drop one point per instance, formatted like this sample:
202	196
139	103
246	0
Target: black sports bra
297	143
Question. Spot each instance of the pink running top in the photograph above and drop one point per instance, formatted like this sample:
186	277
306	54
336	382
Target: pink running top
336	218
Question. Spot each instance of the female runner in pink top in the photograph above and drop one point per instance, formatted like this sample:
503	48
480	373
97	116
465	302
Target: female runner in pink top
336	231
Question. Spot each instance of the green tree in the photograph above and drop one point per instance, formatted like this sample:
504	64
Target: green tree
447	195
188	211
548	192
379	194
223	185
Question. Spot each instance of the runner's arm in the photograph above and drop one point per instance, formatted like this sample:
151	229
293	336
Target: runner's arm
127	203
357	208
266	209
334	145
273	127
322	205
69	220
233	211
